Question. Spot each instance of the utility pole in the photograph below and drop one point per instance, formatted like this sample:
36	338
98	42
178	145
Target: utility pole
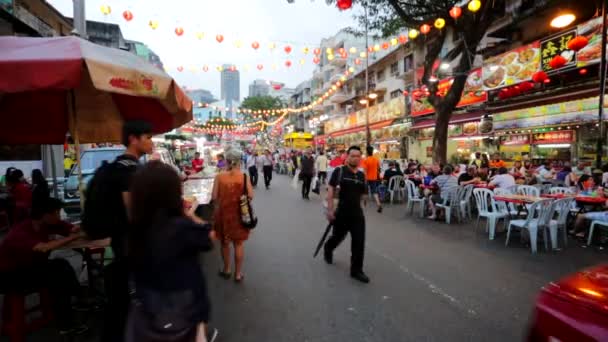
80	21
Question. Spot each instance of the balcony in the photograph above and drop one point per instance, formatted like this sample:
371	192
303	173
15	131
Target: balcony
340	97
318	74
409	77
338	61
335	78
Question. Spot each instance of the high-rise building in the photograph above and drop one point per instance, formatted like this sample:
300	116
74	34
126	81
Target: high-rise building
259	88
231	83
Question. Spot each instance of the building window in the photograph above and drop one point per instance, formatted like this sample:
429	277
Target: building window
381	75
395	93
395	69
408	63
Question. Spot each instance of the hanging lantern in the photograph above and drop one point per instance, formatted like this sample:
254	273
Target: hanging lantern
405	93
329	51
219	38
272	46
370	49
539	76
180	68
351	70
106	9
255	45
344	4
402	39
200	35
440	23
330	57
153	24
376	47
341	51
363	54
357	61
413	34
394	41
302	61
276	86
287	49
238	44
219	68
317	51
288	63
577	43
205	68
128	15
558	62
305	50
455	12
385	45
232	68
344	55
179	31
474	5
352	50
425	28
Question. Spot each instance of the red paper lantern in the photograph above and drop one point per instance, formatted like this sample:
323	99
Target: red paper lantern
179	31
344	4
557	62
370	49
287	49
357	61
260	67
385	45
582	71
405	93
180	68
219	38
317	51
539	76
288	63
341	51
276	86
344	55
402	39
455	12
128	15
205	68
425	29
316	60
577	43
255	45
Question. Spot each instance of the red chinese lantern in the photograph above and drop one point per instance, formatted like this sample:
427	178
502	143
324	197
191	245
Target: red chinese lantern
276	86
317	51
288	63
577	43
219	38
205	68
344	4
385	45
402	39
260	67
179	31
255	45
557	62
425	29
287	49
344	55
539	76
341	51
405	93
128	15
316	60
180	68
357	61
582	71
455	12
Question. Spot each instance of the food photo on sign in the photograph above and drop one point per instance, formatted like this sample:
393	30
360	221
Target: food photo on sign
511	67
592	31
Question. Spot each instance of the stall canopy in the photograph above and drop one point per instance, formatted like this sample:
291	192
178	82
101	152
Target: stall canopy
456	119
51	86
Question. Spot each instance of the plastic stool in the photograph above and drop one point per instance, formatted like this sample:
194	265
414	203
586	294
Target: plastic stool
15	324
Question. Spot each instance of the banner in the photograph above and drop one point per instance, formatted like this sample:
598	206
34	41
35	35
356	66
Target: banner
516	139
392	109
511	67
555	137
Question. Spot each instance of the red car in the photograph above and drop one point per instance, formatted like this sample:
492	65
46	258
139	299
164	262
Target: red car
573	309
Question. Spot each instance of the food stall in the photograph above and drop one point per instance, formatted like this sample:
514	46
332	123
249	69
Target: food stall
298	141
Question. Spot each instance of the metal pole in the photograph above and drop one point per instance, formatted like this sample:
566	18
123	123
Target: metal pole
368	133
602	138
80	22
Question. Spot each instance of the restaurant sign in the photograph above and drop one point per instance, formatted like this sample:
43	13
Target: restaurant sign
392	109
454	131
557	45
554	137
516	139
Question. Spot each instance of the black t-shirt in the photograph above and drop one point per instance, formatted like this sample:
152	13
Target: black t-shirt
390	173
120	181
352	187
465	177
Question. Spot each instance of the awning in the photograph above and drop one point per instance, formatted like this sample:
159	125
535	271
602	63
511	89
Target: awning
456	119
377	125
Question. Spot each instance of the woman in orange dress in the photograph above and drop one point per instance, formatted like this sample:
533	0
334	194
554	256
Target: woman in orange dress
227	190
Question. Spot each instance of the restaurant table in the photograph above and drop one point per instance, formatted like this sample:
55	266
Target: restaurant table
519	200
589	203
483	186
88	249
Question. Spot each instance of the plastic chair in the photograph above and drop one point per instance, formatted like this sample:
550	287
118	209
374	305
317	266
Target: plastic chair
509	208
593	224
450	201
487	208
538	217
394	187
513	189
465	202
560	210
413	197
560	190
528	190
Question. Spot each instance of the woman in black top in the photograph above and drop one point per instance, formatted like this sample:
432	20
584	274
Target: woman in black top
40	188
170	301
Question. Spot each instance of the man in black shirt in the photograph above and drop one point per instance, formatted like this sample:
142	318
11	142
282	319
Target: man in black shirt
348	218
137	137
390	173
469	177
306	172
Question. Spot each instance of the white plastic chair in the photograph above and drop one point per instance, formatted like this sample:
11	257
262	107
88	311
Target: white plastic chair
487	208
450	201
528	190
513	188
509	208
538	217
599	224
413	197
465	194
560	190
559	214
394	187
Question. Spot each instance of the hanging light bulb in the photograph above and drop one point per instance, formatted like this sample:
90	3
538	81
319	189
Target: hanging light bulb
413	34
200	35
153	24
474	5
440	23
106	9
352	50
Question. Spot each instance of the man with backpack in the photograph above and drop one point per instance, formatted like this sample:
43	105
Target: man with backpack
105	215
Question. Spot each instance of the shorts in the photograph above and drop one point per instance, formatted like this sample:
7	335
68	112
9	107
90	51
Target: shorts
373	186
436	198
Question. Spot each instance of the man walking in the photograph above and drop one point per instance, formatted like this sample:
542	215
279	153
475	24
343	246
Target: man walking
371	166
321	166
252	167
267	163
350	185
306	172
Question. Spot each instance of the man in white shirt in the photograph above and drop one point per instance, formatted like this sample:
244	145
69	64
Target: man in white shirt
581	169
321	167
267	163
545	173
503	179
252	167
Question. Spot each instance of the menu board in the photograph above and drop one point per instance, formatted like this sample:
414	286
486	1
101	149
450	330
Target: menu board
591	53
554	137
557	45
516	139
472	93
511	67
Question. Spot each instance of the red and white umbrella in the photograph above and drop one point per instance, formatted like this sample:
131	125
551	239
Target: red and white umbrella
51	86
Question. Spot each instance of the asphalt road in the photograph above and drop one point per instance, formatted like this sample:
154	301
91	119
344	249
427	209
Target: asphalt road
430	281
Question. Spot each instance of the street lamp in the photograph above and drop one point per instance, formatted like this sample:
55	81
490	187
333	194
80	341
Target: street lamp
563	20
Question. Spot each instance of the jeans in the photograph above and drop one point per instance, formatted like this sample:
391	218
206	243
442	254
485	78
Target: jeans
354	224
267	175
322	176
117	307
253	175
306	180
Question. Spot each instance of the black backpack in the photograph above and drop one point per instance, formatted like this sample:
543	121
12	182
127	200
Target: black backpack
97	221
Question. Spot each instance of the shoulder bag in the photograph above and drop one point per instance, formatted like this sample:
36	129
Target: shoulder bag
248	218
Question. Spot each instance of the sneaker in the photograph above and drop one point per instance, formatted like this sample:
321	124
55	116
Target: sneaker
74	330
360	276
211	334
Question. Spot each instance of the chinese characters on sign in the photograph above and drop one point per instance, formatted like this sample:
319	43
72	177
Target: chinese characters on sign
517	139
557	45
553	137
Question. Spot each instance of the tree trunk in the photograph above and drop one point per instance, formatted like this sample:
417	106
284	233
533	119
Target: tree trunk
440	138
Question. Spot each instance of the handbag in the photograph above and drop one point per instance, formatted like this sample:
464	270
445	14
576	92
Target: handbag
248	218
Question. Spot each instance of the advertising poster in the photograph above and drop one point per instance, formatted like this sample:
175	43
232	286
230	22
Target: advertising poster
557	45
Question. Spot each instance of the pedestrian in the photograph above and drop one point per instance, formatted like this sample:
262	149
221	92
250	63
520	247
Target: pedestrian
197	163
307	171
165	238
227	191
221	163
68	163
20	195
371	167
321	165
267	163
40	188
349	185
108	197
294	161
252	168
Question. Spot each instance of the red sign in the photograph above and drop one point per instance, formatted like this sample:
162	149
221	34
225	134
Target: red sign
555	137
472	93
517	139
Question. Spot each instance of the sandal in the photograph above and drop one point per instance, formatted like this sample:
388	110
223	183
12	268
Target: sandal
239	280
225	275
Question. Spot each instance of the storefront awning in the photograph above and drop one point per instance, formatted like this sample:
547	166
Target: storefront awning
456	119
376	125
